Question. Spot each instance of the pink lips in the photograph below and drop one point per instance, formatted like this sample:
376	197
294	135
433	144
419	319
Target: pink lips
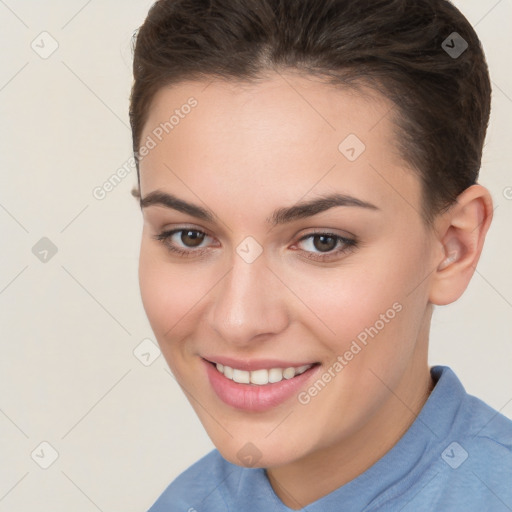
259	364
254	398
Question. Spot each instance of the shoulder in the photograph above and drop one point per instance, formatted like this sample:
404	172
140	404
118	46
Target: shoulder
205	479
470	417
489	434
482	430
474	469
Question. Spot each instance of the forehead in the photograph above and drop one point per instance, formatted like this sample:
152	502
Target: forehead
282	136
285	104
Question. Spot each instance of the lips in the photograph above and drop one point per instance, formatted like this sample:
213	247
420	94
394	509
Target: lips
257	386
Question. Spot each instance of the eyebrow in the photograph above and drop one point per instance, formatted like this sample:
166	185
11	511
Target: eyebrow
279	216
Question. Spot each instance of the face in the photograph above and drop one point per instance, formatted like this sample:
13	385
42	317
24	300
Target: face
273	240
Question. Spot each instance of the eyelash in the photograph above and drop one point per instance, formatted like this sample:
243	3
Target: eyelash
348	244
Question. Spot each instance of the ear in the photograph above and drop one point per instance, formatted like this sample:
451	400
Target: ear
461	232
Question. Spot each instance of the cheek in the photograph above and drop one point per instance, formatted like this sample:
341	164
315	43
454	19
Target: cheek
376	320
170	295
369	298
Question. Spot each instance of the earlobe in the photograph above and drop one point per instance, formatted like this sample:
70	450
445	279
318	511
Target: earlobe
461	232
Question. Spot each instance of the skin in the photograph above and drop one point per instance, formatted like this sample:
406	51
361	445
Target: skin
243	152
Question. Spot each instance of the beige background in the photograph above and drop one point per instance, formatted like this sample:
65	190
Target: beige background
68	373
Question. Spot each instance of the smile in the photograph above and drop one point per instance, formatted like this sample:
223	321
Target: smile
261	377
259	385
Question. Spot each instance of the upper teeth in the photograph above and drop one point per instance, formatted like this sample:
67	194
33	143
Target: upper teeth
261	377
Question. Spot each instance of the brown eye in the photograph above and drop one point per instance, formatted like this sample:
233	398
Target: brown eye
191	238
184	242
324	243
325	247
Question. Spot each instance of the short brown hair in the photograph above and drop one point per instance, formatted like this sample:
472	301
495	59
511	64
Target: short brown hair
397	47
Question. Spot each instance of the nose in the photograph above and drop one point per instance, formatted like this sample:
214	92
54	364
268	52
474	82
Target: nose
249	302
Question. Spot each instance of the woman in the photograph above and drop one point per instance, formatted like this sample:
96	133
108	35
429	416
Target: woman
308	180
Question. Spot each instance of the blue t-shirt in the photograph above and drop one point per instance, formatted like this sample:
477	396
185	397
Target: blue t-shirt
456	456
